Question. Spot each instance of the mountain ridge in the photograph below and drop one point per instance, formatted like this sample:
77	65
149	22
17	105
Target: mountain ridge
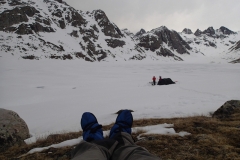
51	29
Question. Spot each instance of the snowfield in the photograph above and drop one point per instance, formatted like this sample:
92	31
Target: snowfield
51	95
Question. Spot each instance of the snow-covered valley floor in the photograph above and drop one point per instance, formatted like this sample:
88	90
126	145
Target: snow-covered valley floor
52	95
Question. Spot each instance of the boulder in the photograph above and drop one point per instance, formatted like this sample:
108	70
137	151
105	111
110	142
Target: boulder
227	109
13	129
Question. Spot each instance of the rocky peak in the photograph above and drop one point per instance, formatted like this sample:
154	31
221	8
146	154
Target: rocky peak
139	33
60	1
226	31
159	29
210	31
187	31
108	28
162	36
127	32
198	32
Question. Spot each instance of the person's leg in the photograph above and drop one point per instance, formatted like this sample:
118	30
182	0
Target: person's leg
93	146
126	148
89	151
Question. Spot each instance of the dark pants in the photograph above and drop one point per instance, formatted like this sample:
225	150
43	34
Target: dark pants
154	82
120	147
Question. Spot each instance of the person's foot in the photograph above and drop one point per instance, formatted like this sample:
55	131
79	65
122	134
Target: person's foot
123	123
91	129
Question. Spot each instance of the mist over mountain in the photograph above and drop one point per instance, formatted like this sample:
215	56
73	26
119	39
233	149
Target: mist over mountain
51	29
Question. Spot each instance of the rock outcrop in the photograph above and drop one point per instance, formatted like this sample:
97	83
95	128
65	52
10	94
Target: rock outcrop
235	47
210	31
162	36
187	31
13	129
139	33
226	31
235	61
227	109
198	32
108	28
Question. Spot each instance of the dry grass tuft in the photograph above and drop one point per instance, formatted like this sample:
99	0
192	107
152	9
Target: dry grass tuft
210	139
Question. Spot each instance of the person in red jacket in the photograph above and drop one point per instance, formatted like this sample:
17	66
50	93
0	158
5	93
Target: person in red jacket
154	80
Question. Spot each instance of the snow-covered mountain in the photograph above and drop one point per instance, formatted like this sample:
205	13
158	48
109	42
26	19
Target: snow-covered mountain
51	29
221	42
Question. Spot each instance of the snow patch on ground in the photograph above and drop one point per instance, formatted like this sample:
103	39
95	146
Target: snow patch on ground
154	129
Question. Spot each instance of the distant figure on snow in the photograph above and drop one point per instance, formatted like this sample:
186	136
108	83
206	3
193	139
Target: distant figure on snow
154	80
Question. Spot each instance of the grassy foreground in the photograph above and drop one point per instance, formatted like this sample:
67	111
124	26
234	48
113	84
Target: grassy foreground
210	139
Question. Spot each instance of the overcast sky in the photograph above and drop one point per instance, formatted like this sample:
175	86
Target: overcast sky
174	14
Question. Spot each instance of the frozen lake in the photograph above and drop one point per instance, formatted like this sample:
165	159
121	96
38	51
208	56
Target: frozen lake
52	95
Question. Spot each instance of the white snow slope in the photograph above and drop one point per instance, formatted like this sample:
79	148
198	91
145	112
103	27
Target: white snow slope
51	95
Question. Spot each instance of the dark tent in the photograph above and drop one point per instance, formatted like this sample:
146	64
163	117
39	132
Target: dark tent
165	81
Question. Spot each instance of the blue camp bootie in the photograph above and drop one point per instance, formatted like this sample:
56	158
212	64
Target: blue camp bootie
123	123
91	129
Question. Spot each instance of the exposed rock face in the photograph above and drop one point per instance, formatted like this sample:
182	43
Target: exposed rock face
187	31
198	32
178	43
227	109
22	14
167	53
13	129
108	28
16	16
74	18
139	33
60	1
127	32
154	42
235	61
171	38
226	31
212	44
210	31
164	42
74	33
114	43
235	47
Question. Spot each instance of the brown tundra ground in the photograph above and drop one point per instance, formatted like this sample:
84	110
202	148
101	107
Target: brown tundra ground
210	139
